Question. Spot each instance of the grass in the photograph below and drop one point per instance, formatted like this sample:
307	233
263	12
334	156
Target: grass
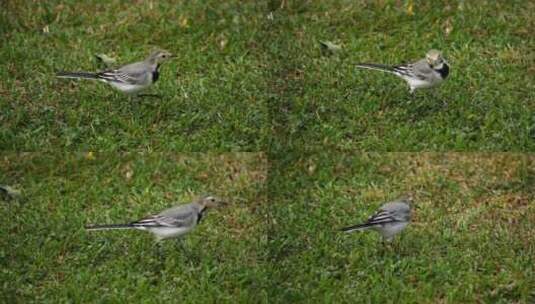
250	76
323	100
252	109
471	238
212	94
47	257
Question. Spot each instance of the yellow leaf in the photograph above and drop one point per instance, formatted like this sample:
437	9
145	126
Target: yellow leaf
410	8
183	22
90	155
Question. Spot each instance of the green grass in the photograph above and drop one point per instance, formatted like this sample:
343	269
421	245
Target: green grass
471	238
212	94
243	80
325	101
251	76
46	256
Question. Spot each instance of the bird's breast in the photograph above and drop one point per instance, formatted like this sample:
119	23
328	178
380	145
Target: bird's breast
444	71
156	73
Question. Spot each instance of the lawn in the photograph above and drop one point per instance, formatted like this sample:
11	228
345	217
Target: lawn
250	75
472	238
212	93
300	141
486	104
47	257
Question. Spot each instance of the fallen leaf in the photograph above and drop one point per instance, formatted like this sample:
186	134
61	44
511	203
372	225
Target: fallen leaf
8	192
183	22
107	60
448	26
222	42
90	155
330	47
410	8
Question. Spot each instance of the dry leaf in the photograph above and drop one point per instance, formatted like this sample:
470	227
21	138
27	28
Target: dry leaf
410	8
105	59
448	26
90	155
329	46
8	192
223	42
183	22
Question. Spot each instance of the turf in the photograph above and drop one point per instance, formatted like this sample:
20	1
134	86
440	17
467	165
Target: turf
471	239
212	93
251	76
47	257
486	104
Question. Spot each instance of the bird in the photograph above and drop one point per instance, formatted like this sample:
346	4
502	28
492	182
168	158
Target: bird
424	73
392	218
169	223
131	78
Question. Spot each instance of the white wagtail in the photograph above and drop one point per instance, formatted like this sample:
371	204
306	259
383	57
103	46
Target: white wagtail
169	223
130	78
424	73
389	220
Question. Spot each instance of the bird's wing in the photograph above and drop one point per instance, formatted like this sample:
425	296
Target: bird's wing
135	73
398	210
422	70
381	217
181	217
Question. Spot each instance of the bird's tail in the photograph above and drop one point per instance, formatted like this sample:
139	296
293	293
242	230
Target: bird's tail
77	75
377	67
358	227
109	227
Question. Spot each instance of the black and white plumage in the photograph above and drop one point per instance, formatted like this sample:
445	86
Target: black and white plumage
130	78
169	223
424	73
389	220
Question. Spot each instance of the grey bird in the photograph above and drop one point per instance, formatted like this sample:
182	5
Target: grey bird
170	223
389	220
424	73
131	78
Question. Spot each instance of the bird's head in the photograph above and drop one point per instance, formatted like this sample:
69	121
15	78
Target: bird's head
159	56
408	198
210	201
434	58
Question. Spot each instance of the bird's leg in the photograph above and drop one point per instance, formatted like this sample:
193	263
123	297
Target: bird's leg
133	97
411	95
159	259
180	244
387	242
444	103
395	245
159	249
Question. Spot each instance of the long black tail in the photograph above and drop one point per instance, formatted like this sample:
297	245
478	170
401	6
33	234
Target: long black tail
109	227
377	67
77	75
358	227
